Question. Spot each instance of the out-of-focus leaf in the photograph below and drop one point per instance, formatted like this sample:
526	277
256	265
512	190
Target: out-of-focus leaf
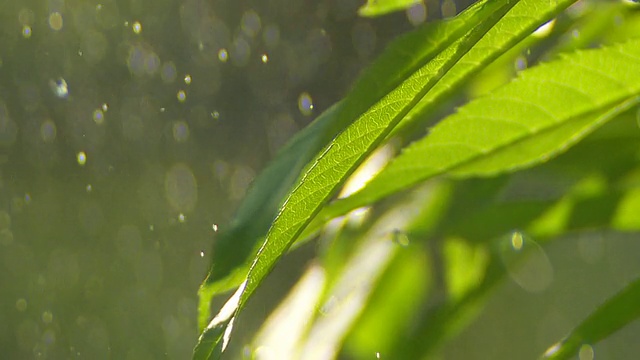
614	314
375	8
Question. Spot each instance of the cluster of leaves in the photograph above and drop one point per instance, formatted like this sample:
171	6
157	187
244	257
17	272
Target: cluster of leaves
569	114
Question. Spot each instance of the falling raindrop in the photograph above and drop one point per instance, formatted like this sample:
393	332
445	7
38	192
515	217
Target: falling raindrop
137	27
526	262
82	158
182	96
26	31
223	55
59	88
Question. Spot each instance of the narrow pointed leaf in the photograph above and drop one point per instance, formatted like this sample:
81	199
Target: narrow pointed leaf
614	314
528	121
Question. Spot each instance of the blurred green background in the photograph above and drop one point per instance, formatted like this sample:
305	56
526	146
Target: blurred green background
129	132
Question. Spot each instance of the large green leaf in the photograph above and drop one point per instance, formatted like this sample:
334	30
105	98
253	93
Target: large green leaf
236	246
517	24
614	314
346	152
526	122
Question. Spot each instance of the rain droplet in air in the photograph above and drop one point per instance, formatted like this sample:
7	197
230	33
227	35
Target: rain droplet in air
526	262
305	104
59	88
98	116
182	96
137	27
55	21
223	55
81	157
26	31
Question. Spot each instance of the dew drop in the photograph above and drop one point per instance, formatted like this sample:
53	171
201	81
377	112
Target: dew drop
187	79
264	58
215	227
89	188
182	218
201	253
215	115
305	104
105	107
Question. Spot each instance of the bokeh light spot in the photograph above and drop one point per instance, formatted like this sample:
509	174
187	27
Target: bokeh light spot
182	96
48	131
264	58
305	104
223	55
181	188
81	158
180	131
250	23
26	31
21	304
417	13
137	27
168	73
47	317
55	21
271	36
98	116
59	87
187	79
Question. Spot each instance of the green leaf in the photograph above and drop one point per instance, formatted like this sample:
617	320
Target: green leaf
236	246
528	121
349	149
614	314
518	23
374	8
